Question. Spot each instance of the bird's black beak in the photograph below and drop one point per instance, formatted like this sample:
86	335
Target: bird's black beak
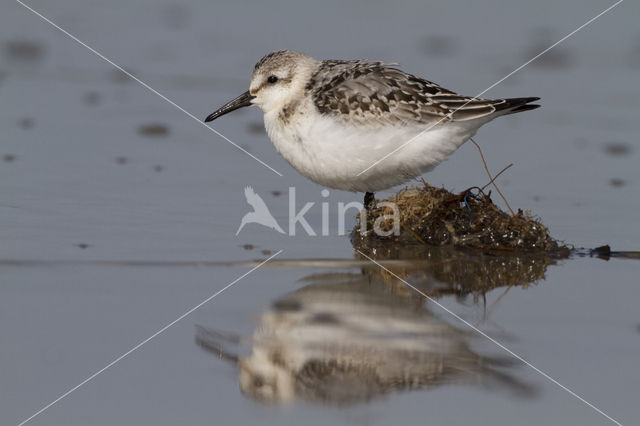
239	102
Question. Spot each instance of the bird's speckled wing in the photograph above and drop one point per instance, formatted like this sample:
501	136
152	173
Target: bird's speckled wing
368	92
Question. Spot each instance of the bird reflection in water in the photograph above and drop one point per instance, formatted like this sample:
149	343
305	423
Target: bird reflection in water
349	338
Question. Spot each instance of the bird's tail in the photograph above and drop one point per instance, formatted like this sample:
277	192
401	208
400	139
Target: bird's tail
513	105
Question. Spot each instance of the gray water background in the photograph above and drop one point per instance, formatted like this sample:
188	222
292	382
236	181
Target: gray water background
80	182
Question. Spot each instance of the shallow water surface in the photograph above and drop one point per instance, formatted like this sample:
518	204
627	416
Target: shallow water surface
119	214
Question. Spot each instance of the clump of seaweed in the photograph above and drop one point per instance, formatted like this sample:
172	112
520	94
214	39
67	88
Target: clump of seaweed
435	216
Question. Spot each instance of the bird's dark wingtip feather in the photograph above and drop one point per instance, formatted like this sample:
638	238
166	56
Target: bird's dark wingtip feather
514	105
525	108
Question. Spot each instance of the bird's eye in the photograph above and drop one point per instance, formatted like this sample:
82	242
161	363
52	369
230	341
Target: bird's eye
272	79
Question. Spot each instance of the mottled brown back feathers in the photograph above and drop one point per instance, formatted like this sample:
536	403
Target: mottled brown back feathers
368	92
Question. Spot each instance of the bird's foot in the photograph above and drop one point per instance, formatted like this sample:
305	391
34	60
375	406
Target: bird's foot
369	200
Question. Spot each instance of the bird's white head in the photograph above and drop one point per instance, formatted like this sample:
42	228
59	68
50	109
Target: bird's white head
278	79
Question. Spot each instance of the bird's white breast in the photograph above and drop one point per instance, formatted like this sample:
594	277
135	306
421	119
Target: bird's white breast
333	153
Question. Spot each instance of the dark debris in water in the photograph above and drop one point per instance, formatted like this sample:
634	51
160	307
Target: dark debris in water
435	216
24	50
119	77
617	149
617	182
256	127
154	130
560	57
26	123
92	98
605	253
438	45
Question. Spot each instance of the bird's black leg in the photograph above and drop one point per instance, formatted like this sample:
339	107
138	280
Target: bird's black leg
369	200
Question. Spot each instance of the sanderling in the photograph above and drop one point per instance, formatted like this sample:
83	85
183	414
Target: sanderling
332	120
